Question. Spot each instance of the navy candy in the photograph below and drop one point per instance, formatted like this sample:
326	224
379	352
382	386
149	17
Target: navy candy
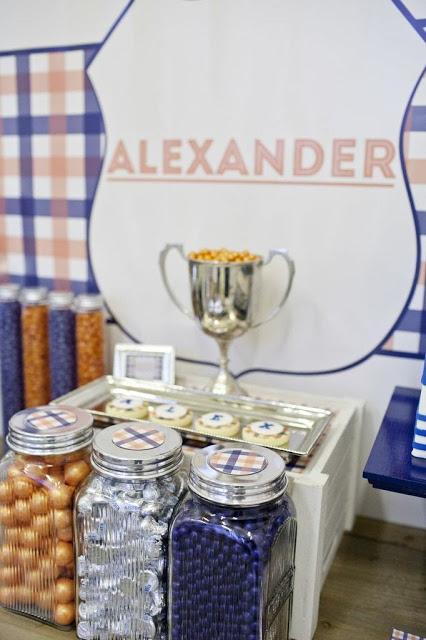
62	358
220	568
62	351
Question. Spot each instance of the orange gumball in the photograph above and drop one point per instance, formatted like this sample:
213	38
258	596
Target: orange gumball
33	578
45	599
24	594
55	475
13	535
48	568
41	523
7	596
65	534
14	472
22	487
63	518
64	614
60	496
55	460
7	515
8	575
64	590
29	538
64	553
22	511
39	502
27	558
7	554
6	492
76	472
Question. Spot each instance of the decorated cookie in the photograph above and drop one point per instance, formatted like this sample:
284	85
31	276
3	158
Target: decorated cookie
218	423
266	432
128	408
171	415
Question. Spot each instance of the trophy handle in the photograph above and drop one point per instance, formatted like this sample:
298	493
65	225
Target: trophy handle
162	261
291	271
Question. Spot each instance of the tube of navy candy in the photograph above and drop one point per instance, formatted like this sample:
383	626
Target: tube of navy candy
10	352
61	343
232	548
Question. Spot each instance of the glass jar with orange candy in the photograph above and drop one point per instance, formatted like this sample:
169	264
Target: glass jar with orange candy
48	460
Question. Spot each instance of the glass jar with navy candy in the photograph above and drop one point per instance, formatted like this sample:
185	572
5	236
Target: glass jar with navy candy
122	519
232	547
61	343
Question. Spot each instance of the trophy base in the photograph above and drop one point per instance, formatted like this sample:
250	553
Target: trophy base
225	384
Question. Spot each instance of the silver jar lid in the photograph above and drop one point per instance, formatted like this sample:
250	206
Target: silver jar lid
241	476
88	302
9	292
34	295
137	450
50	430
61	299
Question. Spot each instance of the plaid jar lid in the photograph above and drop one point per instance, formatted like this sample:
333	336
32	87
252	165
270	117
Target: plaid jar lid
243	476
136	450
50	429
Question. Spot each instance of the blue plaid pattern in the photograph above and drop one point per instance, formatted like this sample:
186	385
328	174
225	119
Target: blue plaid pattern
51	151
409	336
45	419
238	462
138	438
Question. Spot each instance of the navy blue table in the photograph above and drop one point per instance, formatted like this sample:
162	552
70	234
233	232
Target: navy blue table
390	465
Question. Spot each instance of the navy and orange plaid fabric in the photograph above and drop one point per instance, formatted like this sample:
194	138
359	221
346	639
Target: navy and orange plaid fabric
51	150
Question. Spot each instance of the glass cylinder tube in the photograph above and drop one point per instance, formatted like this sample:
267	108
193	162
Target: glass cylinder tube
12	390
35	346
89	323
61	343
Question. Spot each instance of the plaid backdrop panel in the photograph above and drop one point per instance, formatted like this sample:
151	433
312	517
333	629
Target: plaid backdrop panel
51	150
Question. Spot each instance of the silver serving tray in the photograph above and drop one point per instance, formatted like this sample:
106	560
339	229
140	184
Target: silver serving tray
305	423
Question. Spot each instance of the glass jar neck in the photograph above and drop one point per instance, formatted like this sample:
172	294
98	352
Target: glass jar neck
242	513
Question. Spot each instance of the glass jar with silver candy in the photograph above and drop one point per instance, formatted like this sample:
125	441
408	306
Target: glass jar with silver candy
122	518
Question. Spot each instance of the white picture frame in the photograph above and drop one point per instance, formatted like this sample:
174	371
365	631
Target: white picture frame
145	362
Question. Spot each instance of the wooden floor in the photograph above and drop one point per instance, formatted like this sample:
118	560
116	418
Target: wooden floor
377	582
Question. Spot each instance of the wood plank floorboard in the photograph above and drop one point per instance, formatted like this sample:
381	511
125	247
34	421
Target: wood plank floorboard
377	582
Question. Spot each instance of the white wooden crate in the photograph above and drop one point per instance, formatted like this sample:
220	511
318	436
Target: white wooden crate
324	495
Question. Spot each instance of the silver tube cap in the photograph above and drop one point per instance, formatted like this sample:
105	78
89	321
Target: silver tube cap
50	430
60	299
86	302
137	450
9	292
240	476
34	295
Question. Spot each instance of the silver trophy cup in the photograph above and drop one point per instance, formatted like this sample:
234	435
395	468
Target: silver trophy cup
224	296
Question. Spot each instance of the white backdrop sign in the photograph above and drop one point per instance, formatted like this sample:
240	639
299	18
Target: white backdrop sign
238	124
